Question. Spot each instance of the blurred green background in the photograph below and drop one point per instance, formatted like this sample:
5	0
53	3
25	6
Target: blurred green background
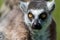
1	1
56	16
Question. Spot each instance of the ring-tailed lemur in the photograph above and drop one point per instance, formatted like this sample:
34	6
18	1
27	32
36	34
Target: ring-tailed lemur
38	17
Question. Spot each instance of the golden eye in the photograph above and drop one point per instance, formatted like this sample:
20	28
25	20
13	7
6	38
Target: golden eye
30	15
43	16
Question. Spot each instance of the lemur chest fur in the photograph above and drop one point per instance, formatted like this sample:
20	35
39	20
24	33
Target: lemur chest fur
41	35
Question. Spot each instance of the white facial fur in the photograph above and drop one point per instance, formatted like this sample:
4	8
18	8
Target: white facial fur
35	13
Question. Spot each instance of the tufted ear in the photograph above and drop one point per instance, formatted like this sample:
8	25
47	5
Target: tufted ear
24	6
51	5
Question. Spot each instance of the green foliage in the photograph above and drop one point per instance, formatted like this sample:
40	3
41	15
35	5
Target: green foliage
56	15
1	1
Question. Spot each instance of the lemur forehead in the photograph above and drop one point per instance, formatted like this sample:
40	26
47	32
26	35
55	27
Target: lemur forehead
36	12
37	5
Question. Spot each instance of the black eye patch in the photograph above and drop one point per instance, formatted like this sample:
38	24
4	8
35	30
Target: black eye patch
43	16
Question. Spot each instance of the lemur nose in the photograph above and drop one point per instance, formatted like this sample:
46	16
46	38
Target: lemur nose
37	26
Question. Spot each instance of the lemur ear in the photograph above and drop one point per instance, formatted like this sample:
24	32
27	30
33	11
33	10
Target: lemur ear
51	5
24	6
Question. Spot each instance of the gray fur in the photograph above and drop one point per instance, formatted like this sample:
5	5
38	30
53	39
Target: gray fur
37	5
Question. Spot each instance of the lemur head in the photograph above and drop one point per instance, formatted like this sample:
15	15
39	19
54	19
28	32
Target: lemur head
37	14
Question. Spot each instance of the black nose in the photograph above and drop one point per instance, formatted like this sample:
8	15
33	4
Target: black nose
37	26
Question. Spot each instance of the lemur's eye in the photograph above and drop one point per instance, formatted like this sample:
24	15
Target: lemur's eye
30	15
43	16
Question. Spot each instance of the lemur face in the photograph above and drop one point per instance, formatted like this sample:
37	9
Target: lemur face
37	14
37	18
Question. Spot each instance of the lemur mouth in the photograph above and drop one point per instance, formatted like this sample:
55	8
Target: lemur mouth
37	27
